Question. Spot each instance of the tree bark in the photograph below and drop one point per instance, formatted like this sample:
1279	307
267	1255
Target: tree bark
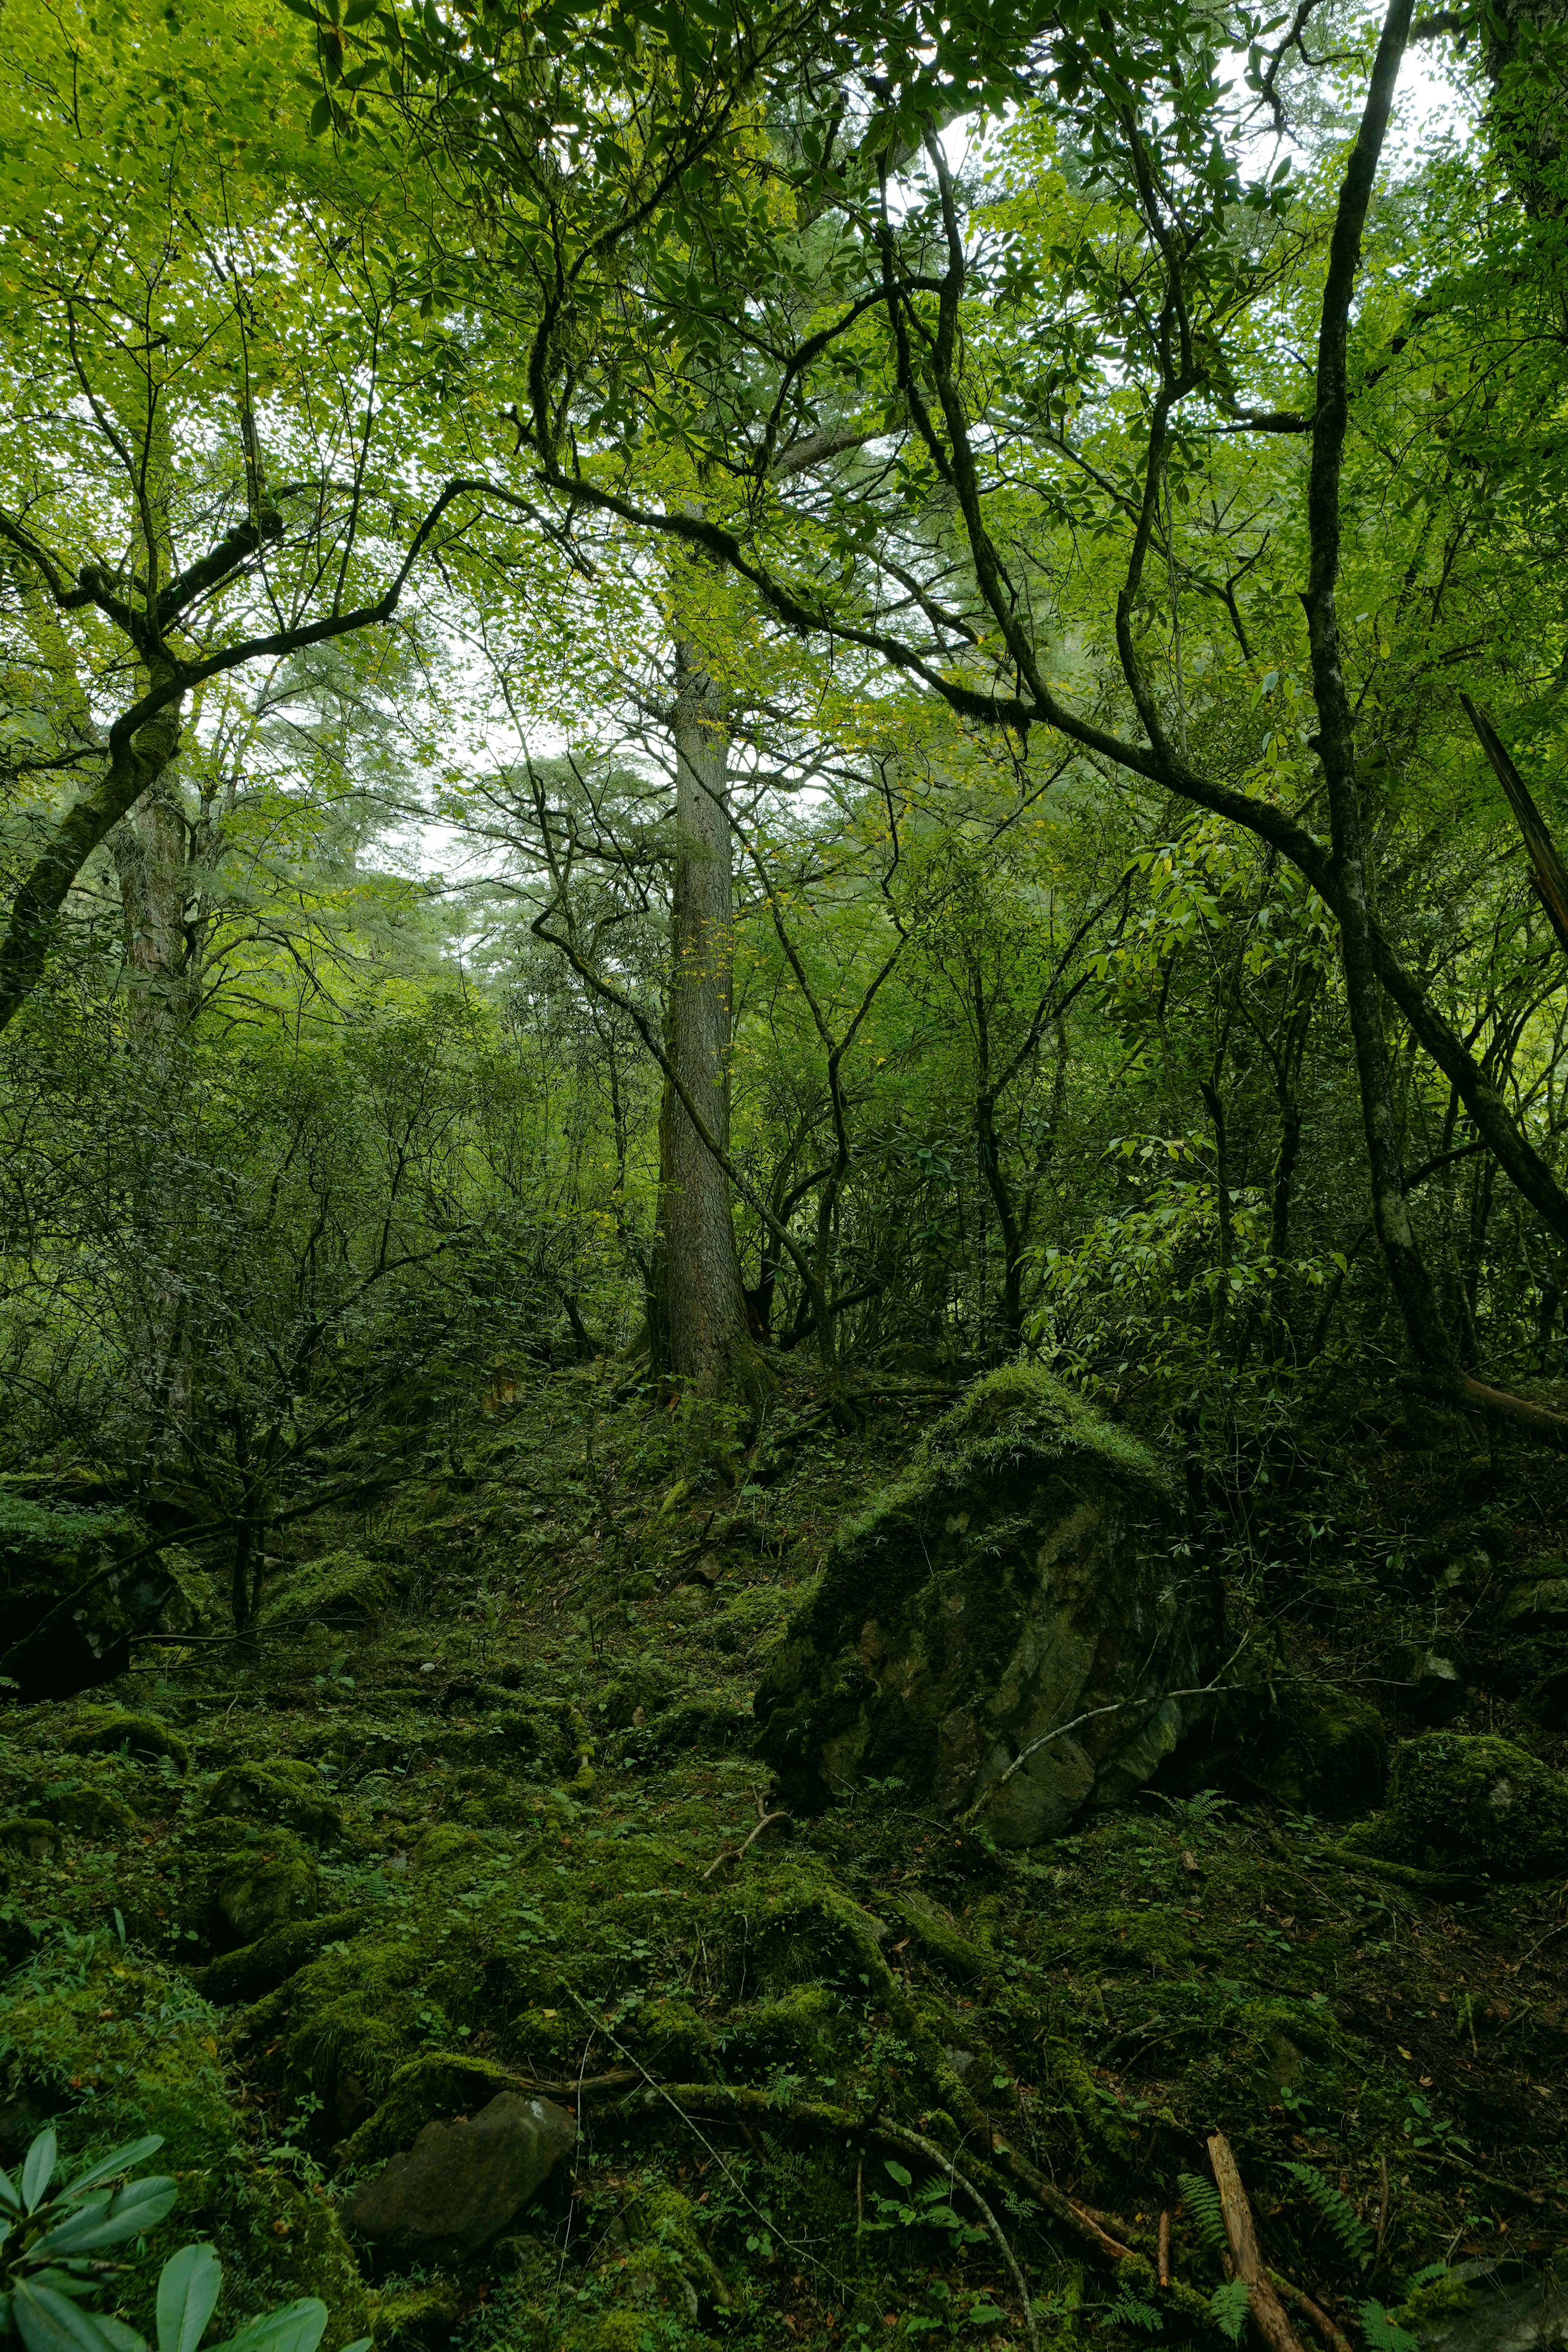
1430	1343
701	1329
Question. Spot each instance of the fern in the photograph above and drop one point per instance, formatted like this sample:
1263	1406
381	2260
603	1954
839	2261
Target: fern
1383	2334
1131	2312
1228	2307
1200	2199
1336	2210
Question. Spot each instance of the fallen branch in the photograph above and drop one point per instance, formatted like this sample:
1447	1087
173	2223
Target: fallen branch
1267	2310
733	1852
1319	2317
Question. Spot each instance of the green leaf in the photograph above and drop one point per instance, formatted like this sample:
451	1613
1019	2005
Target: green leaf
187	2291
38	2168
51	2322
320	116
900	2175
119	2159
298	2327
109	2220
1228	2307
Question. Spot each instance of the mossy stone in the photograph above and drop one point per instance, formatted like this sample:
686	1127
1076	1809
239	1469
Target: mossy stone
93	1813
339	1588
287	1794
1539	1606
1002	1630
436	2086
296	2247
260	1886
30	1837
1476	1804
101	1730
937	1936
256	1968
1325	1753
415	2318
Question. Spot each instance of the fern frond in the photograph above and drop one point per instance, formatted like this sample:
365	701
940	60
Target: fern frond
1383	2334
1228	2307
1132	2311
1200	2199
1336	2212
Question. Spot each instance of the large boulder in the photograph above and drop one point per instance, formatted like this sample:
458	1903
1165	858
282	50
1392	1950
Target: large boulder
461	2183
1003	1630
1459	1803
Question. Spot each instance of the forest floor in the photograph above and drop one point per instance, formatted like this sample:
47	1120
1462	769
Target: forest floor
481	1810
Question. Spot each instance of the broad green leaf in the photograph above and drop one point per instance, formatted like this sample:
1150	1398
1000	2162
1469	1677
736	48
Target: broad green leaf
48	2321
119	2159
298	2327
187	2290
38	2168
125	2214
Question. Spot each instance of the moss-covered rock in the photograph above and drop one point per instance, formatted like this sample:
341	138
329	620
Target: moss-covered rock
1002	1630
938	1937
262	1882
431	2088
256	1968
283	1793
1458	1804
30	1837
415	2318
296	2247
1326	1753
340	1588
101	1730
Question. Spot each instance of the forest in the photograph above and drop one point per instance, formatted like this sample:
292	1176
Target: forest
783	1175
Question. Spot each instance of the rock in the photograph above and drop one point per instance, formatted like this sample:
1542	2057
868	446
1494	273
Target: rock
1326	1754
1490	2307
258	1887
1546	1704
91	1812
341	1588
938	1937
1431	1688
1464	1804
463	2182
1023	1576
285	1792
256	1968
1538	1607
33	1838
415	2318
103	1730
431	2088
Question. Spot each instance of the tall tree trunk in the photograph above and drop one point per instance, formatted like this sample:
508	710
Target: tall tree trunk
699	1330
1414	1292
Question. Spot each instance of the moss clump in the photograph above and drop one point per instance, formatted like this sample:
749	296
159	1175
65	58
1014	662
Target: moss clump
29	1836
1022	1576
255	1968
101	1730
93	1813
340	1588
284	1793
294	2245
431	2088
261	1881
935	1933
1476	1804
130	2048
414	2318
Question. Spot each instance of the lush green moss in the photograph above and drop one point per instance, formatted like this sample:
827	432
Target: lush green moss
283	1793
340	1588
1470	1802
101	1729
128	2047
431	2088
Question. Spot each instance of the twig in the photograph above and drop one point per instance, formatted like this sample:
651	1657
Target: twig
934	2155
733	1852
1320	2319
1163	2264
1267	2308
1381	2206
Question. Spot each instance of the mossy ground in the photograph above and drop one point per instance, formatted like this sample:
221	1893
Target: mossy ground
526	1791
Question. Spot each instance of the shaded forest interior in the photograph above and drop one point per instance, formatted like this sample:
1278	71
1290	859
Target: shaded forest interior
783	1176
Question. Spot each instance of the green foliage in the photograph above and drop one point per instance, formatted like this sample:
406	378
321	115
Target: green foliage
52	2249
1202	2200
929	2206
1334	2208
1129	2310
1229	2306
1382	2333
